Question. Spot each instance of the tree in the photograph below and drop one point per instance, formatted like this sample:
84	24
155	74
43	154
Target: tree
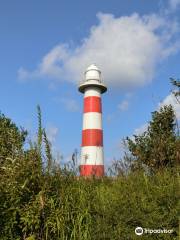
11	138
176	92
158	146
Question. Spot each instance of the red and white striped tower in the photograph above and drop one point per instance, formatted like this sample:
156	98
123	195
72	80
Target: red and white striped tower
92	157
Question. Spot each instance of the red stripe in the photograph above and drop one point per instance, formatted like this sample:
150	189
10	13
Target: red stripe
92	137
92	104
92	170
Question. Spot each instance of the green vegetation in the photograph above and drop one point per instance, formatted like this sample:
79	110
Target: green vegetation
11	138
157	147
41	200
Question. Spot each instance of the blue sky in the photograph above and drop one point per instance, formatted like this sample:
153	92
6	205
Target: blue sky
46	46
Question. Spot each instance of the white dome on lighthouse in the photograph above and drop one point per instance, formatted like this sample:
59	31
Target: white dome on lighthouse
92	67
92	73
92	78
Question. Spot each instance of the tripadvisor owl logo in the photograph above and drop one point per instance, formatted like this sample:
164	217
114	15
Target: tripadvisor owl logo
139	231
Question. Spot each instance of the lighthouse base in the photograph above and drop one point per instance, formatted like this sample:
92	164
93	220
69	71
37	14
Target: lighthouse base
92	170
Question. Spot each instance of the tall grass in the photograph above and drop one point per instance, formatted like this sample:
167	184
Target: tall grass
64	207
41	200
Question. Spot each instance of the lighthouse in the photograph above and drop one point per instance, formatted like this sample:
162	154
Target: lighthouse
92	156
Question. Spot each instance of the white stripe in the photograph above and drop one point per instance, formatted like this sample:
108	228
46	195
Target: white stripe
92	91
92	120
92	155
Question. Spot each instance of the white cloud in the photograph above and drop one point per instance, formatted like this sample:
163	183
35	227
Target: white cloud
174	4
140	130
70	104
170	99
23	74
127	49
52	133
110	117
123	106
52	86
